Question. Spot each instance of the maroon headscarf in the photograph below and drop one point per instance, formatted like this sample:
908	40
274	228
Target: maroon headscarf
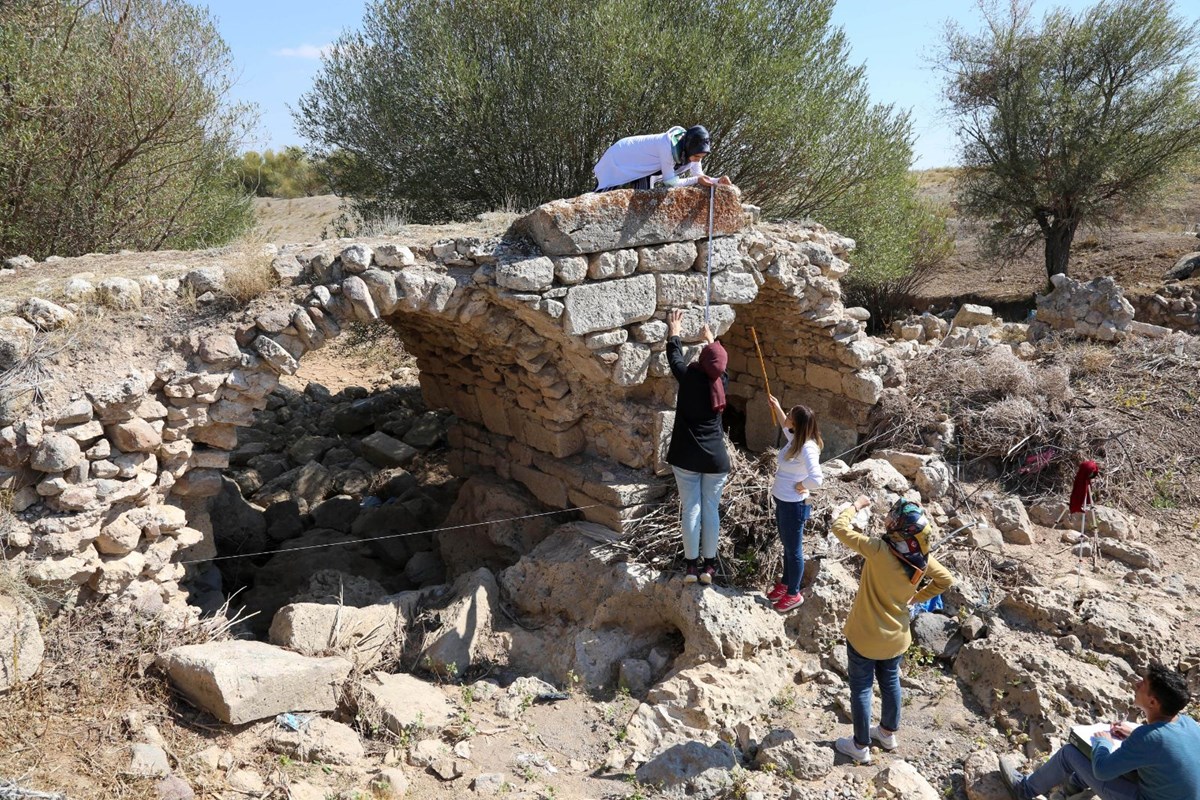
712	362
1081	490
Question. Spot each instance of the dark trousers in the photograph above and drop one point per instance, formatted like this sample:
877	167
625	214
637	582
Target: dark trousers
640	183
791	519
863	673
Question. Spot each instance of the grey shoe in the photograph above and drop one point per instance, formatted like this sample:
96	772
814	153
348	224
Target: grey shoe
1012	776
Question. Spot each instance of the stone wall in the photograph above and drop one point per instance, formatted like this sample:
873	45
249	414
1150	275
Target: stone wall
554	366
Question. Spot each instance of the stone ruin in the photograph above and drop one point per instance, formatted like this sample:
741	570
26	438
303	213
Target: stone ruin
547	344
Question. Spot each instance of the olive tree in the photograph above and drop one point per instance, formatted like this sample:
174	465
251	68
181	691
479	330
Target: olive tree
115	127
444	109
1074	120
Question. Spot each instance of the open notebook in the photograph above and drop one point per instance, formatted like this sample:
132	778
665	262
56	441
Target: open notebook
1081	736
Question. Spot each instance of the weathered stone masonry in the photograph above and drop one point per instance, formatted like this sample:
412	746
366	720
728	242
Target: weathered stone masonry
547	344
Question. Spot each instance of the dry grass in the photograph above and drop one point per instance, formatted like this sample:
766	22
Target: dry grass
248	272
1131	406
63	728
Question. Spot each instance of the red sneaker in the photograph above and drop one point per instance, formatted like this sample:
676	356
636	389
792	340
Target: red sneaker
692	574
708	571
788	602
779	591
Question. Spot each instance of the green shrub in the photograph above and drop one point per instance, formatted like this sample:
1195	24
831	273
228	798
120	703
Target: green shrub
115	130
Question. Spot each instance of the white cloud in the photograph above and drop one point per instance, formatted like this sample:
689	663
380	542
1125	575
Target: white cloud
305	51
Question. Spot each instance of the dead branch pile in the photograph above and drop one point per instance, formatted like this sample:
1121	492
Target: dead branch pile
749	548
1130	406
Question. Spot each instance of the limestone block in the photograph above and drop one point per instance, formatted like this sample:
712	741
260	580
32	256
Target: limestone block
610	304
203	280
382	287
907	464
307	330
404	701
243	681
526	275
21	645
650	332
394	256
725	254
549	490
570	270
559	444
901	780
970	315
274	320
633	363
625	218
603	339
721	318
322	740
680	289
135	436
878	474
198	483
79	290
44	315
275	356
356	258
933	480
425	289
358	295
1012	520
120	293
612	264
734	287
16	335
117	572
864	386
672	257
64	571
827	378
385	451
57	452
805	760
359	633
465	623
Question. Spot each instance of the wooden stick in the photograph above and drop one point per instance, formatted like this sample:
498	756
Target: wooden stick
763	364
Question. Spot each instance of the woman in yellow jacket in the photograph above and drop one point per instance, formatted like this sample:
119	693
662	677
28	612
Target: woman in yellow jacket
877	630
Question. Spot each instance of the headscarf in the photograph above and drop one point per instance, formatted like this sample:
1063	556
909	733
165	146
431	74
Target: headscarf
712	362
1081	489
907	536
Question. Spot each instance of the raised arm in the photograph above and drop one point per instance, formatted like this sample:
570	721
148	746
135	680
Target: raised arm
843	528
674	345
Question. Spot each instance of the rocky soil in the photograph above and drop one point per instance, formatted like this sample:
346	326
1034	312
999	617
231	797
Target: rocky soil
419	629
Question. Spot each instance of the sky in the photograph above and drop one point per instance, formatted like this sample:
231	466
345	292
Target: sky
277	44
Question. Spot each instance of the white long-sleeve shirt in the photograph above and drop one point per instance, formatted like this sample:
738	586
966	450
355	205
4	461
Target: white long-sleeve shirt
637	157
805	470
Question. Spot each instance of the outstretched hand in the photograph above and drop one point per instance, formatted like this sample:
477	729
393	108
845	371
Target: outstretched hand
861	502
674	322
707	334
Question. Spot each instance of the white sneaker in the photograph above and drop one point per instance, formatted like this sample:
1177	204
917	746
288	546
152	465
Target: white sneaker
847	747
886	740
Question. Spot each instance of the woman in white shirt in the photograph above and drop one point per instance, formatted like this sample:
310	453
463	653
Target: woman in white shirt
798	472
671	159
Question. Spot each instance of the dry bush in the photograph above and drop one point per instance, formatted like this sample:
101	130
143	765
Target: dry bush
248	272
62	728
1130	406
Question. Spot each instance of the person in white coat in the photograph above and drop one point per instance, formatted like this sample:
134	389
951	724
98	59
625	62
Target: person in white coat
798	472
669	159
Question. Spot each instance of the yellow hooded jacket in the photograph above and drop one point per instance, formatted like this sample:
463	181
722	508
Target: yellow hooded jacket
878	623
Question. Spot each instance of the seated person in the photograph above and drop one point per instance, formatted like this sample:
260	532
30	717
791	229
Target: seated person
671	159
1165	752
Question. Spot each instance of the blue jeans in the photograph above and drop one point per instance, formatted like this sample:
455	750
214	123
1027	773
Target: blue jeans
791	519
863	672
1068	764
700	499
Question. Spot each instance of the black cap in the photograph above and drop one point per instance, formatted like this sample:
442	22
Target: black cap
695	141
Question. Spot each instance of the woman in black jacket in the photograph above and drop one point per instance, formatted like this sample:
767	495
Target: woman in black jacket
697	452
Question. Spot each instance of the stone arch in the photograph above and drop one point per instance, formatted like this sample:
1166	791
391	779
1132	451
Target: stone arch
548	344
